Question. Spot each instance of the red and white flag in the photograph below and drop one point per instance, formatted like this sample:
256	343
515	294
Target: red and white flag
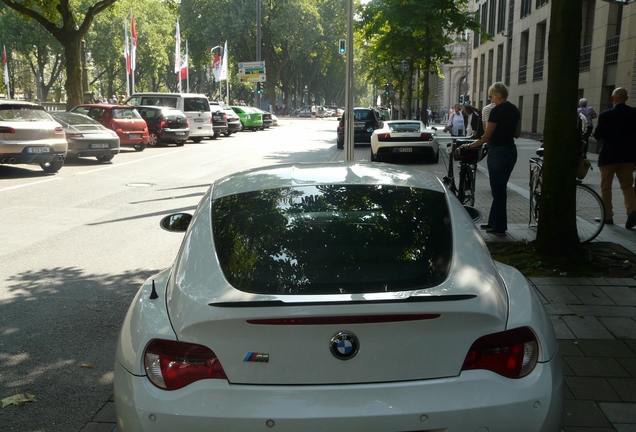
223	75
216	67
184	64
6	70
127	58
133	33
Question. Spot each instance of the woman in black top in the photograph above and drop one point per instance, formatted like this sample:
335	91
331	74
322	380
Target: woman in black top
504	125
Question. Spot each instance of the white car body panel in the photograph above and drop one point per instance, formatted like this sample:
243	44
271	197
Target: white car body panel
403	141
407	375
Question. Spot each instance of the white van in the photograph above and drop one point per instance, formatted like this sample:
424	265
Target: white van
196	107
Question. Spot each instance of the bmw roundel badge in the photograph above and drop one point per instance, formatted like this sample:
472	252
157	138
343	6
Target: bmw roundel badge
344	345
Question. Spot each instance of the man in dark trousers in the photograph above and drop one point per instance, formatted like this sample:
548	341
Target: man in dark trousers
618	154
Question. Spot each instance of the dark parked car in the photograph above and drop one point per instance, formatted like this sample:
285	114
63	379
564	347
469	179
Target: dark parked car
87	137
165	125
366	120
233	121
219	119
123	119
267	118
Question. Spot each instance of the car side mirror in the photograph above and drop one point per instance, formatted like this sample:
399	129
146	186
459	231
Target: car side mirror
177	222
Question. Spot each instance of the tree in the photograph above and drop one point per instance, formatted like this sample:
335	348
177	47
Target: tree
69	34
556	233
415	31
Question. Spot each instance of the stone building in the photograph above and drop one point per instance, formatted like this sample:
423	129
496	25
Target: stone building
518	54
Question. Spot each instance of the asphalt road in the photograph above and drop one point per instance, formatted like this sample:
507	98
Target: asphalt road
76	246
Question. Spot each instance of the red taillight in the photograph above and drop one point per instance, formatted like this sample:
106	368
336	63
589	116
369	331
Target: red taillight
224	117
187	123
6	129
425	136
163	124
384	135
512	353
171	365
74	135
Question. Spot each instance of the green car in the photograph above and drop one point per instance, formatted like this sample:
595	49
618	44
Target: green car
250	118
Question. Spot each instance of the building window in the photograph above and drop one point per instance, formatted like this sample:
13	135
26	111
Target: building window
523	57
501	16
482	62
511	22
500	53
492	17
539	52
484	20
526	8
541	3
587	33
535	114
611	50
585	58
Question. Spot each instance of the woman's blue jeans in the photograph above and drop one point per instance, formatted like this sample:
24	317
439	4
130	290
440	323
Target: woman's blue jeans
501	161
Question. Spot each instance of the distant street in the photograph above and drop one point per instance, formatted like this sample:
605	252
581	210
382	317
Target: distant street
76	246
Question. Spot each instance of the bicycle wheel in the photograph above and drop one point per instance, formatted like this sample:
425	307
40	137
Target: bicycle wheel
466	190
590	213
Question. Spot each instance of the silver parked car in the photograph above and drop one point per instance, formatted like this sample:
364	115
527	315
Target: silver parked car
29	135
87	137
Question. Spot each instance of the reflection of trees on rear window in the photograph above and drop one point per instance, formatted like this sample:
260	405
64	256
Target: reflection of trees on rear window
125	113
21	113
159	101
333	239
195	104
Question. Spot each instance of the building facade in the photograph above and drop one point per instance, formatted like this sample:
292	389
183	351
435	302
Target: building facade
518	54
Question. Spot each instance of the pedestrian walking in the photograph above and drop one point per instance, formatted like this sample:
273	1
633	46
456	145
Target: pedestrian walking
474	125
456	122
504	126
617	156
590	115
313	111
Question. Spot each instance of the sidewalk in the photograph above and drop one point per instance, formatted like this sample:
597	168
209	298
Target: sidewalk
594	320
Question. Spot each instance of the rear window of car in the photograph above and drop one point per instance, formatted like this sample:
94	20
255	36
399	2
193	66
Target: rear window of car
404	127
75	119
124	113
363	115
166	101
17	112
196	104
333	239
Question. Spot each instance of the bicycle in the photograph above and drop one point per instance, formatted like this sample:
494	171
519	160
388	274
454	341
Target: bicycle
590	212
468	159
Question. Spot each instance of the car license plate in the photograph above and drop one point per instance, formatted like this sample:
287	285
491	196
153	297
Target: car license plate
198	120
359	124
134	135
38	150
179	133
100	146
405	150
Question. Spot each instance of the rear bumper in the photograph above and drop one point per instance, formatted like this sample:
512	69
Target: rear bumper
19	154
93	152
400	150
475	400
171	136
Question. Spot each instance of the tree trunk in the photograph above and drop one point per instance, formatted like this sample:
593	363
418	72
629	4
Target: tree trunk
73	84
556	233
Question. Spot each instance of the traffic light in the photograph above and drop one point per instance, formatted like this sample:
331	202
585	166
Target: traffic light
259	90
342	46
461	99
386	89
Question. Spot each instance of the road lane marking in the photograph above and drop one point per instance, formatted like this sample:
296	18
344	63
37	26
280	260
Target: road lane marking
30	184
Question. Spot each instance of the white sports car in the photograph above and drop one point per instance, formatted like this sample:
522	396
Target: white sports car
335	297
403	138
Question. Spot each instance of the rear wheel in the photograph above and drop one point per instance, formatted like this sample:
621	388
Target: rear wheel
139	147
436	157
105	158
215	136
180	143
52	167
153	139
242	127
197	139
590	213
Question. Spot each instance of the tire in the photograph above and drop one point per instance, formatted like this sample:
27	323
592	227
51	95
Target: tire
436	157
215	136
105	158
374	157
590	213
180	143
242	127
153	139
52	167
227	134
139	147
197	139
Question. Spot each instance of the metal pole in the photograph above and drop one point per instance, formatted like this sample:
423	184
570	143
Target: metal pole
257	97
348	122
